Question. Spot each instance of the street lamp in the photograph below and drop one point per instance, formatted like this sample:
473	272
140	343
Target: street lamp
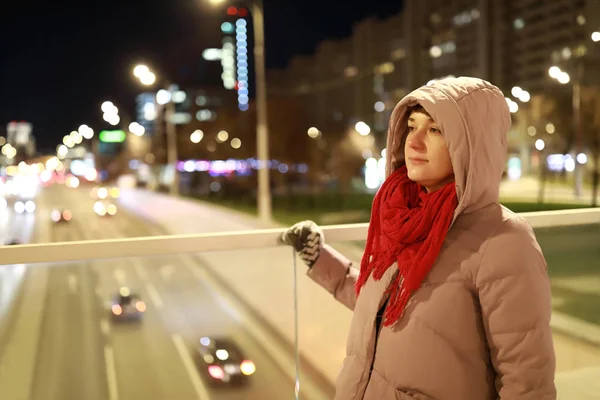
564	78
163	97
262	133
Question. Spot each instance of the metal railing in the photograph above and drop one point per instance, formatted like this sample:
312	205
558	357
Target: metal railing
178	244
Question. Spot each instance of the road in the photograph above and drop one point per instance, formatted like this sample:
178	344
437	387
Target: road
81	354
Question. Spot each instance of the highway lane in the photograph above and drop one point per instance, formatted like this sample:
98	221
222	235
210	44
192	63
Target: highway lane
83	355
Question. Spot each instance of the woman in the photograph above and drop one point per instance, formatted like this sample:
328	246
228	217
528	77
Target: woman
452	300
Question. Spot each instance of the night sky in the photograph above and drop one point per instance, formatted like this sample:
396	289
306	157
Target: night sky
60	60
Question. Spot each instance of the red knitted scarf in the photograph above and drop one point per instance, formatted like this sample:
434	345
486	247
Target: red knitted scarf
408	226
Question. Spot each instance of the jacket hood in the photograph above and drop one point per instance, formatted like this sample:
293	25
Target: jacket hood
475	119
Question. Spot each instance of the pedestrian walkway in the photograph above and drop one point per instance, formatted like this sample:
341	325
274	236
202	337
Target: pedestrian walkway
527	189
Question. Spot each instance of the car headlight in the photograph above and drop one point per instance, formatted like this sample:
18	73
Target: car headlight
20	207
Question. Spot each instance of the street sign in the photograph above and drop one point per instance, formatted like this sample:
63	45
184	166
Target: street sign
116	136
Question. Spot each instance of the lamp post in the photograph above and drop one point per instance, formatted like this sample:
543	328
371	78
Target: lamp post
564	78
148	78
262	131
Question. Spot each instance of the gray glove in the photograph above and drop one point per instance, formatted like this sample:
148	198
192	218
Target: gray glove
307	239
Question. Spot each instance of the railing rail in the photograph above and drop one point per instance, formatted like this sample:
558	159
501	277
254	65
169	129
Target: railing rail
224	241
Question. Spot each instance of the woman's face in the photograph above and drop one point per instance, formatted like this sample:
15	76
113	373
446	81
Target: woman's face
426	153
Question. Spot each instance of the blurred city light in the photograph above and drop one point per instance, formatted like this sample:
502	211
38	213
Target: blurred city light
149	111
116	136
179	96
196	136
136	129
550	128
563	78
516	91
379	106
114	119
76	137
554	72
362	128
313	132
62	151
163	96
596	36
107	107
540	144
213	54
512	106
86	132
582	158
236	143
222	136
68	141
524	96
148	79
569	163
140	70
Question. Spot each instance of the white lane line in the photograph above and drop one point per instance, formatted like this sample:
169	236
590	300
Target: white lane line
154	296
232	306
190	368
120	277
111	373
139	269
105	326
72	280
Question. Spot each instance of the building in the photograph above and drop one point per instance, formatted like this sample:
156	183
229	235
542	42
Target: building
509	42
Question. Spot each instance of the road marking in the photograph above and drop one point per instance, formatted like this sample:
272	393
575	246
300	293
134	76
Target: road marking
120	277
190	368
232	306
111	373
72	280
105	326
139	269
154	296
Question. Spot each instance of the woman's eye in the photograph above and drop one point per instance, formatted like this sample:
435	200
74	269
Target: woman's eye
435	130
411	128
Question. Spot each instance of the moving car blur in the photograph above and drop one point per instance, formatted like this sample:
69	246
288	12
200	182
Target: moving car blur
127	306
221	362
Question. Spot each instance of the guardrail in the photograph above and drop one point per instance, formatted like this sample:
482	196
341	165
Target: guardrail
177	244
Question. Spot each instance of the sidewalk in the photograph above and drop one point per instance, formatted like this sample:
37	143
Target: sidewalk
263	278
527	189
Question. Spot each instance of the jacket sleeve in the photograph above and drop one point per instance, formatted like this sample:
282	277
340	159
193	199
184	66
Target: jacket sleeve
336	274
515	298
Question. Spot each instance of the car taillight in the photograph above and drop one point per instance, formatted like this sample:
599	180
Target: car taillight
247	367
116	309
140	306
216	372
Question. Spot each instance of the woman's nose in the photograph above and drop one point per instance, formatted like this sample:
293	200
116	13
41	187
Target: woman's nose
416	140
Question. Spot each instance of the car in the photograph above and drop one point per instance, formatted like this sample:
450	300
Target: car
127	306
222	362
58	216
103	193
24	206
104	208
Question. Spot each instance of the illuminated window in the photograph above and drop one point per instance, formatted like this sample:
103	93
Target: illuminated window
518	23
398	54
350	71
